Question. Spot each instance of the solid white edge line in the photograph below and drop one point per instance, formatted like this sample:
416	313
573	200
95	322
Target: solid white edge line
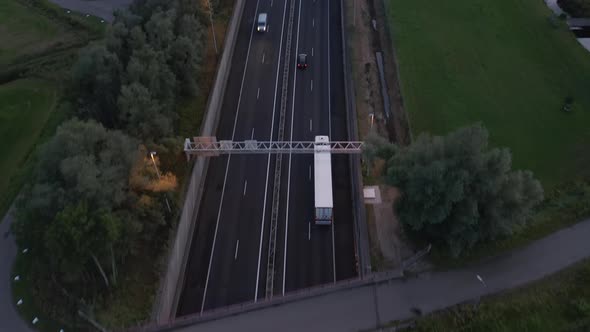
227	166
245	186
330	133
291	139
268	162
237	246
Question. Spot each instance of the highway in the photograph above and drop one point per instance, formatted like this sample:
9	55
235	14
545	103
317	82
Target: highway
228	256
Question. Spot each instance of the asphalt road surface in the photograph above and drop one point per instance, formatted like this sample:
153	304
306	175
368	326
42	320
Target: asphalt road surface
228	258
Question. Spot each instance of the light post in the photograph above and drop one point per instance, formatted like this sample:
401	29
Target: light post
152	154
212	27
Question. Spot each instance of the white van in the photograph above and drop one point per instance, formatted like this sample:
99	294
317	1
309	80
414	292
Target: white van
261	26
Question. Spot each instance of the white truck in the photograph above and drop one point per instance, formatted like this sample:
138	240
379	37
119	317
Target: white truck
323	181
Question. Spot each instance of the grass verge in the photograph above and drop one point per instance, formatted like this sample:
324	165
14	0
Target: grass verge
24	31
26	116
558	303
32	29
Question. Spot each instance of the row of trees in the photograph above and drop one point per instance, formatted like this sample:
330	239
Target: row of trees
95	199
456	190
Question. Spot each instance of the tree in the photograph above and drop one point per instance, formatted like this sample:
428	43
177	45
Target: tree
185	64
186	53
74	213
149	67
143	116
96	82
459	192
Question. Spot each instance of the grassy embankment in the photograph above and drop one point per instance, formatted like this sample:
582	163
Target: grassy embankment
510	65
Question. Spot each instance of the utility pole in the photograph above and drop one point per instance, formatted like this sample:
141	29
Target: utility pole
212	27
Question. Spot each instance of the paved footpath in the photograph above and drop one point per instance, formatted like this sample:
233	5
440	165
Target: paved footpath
9	318
370	306
100	8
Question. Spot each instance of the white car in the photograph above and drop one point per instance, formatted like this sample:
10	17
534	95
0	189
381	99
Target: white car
261	26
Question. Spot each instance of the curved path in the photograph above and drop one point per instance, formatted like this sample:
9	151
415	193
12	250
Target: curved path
9	318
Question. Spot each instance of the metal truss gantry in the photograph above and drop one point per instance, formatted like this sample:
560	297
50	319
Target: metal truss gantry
209	146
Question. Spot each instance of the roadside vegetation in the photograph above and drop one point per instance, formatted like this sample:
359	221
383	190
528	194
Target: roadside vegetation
518	71
457	192
96	215
556	303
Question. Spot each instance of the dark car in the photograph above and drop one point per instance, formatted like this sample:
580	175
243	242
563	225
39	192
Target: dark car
302	61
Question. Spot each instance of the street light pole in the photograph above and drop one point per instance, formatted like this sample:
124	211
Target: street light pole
152	154
212	27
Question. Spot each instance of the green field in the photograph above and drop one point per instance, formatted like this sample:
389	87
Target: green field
25	107
24	31
505	63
